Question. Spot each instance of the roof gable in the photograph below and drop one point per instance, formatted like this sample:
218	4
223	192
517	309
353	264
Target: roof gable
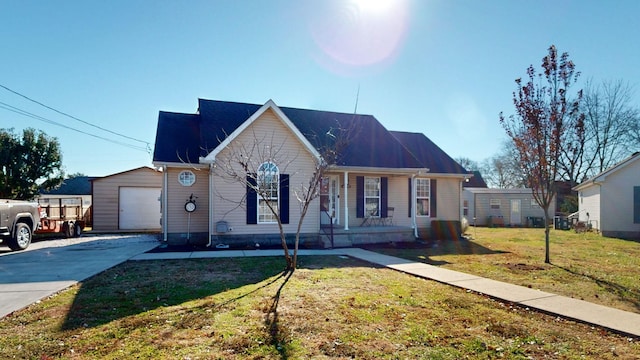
269	105
601	177
138	169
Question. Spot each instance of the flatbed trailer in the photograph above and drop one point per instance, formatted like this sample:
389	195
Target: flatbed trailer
61	215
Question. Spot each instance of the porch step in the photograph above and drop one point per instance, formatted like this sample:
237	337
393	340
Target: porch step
365	235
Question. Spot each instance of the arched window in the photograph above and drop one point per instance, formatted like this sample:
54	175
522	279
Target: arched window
268	182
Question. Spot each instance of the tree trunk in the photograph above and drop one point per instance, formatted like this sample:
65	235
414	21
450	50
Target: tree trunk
546	236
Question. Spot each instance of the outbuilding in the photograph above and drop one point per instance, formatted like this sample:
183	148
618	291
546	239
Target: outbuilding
127	201
503	207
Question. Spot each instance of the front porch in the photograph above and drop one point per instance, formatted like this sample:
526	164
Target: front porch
339	237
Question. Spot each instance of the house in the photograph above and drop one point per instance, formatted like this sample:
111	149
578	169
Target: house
610	201
127	201
503	207
380	186
74	191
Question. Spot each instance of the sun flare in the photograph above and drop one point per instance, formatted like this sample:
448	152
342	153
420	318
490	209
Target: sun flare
374	6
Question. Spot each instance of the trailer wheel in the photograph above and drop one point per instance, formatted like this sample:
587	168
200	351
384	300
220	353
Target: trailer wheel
70	230
21	237
78	229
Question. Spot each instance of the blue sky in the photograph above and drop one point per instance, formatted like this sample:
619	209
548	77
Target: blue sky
445	68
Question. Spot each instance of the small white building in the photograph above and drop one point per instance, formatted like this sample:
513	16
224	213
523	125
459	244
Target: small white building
610	201
502	207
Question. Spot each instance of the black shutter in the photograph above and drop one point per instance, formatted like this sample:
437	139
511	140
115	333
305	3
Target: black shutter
410	198
284	198
252	200
360	196
434	204
384	196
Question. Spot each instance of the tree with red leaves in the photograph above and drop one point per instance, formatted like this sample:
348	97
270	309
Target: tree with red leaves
544	121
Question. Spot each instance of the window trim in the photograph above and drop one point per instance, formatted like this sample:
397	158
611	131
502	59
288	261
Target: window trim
495	202
186	178
427	197
264	214
378	196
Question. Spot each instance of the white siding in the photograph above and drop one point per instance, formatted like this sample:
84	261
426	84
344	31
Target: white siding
617	200
589	203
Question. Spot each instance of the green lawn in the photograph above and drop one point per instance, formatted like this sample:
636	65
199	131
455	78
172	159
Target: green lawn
330	308
585	266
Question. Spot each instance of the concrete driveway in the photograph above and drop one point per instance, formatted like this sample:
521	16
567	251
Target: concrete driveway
47	267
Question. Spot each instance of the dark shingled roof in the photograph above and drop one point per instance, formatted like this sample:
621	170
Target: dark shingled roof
178	138
477	181
186	137
79	185
431	156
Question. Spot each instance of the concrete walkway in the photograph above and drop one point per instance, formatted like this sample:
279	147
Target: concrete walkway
619	321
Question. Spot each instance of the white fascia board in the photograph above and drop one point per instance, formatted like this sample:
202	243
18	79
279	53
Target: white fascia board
179	165
211	157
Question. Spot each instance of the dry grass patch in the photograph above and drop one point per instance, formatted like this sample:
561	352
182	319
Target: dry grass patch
331	308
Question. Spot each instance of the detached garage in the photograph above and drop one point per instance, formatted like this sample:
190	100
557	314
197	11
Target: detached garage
127	201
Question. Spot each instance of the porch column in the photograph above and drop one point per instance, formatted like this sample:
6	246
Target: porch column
345	183
414	205
210	193
165	205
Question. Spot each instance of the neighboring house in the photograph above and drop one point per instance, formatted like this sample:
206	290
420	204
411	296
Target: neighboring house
610	201
127	201
391	184
503	207
75	191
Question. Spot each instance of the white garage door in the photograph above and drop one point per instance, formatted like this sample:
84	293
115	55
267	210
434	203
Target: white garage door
139	208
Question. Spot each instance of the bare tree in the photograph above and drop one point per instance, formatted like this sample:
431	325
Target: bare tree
610	123
503	170
468	164
544	116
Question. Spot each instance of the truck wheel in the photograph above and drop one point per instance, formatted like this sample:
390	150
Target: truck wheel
21	237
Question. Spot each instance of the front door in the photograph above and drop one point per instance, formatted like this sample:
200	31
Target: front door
329	200
516	216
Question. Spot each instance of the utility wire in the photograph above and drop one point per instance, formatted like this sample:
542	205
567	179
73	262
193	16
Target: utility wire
75	118
49	121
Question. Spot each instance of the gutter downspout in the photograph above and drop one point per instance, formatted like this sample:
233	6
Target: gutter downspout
210	200
413	206
346	200
165	205
461	202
